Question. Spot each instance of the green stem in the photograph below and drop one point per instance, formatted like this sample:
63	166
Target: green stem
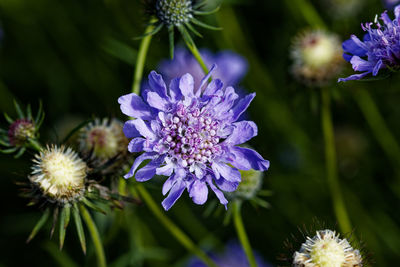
307	10
101	258
174	230
141	59
193	48
35	145
330	157
244	240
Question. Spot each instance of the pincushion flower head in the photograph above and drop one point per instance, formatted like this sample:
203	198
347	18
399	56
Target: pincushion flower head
190	135
378	50
180	14
316	57
59	182
22	132
104	142
327	249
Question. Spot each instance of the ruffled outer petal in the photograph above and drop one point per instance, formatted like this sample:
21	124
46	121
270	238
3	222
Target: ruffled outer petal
157	84
243	131
198	191
132	105
175	193
148	171
138	161
246	159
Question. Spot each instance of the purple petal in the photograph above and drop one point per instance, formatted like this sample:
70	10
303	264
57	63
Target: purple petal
205	80
243	131
132	105
186	84
156	101
230	174
165	170
136	145
226	185
129	130
142	128
157	83
377	67
360	64
174	194
213	87
354	77
168	184
217	192
242	105
174	90
351	47
246	159
179	174
198	192
138	161
148	171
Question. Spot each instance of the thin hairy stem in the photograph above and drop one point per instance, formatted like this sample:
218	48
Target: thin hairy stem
331	164
241	232
141	59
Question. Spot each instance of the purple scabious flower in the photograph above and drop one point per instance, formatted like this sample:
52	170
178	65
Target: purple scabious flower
389	4
233	256
379	49
190	135
231	66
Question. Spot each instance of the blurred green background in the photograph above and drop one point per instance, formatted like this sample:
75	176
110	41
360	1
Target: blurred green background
78	57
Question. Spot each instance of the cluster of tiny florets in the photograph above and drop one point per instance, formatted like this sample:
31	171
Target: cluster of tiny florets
317	57
326	249
60	174
174	12
104	139
191	137
20	131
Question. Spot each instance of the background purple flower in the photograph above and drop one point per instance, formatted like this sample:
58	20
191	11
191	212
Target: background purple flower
233	256
190	134
389	4
379	49
231	66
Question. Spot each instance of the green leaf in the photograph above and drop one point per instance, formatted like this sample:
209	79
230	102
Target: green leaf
55	218
8	118
92	205
204	25
21	151
64	221
29	112
155	31
193	30
9	150
19	110
5	143
39	225
209	12
39	113
79	227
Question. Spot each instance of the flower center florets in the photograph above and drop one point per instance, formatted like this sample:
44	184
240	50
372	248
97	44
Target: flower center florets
174	12
20	131
190	137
